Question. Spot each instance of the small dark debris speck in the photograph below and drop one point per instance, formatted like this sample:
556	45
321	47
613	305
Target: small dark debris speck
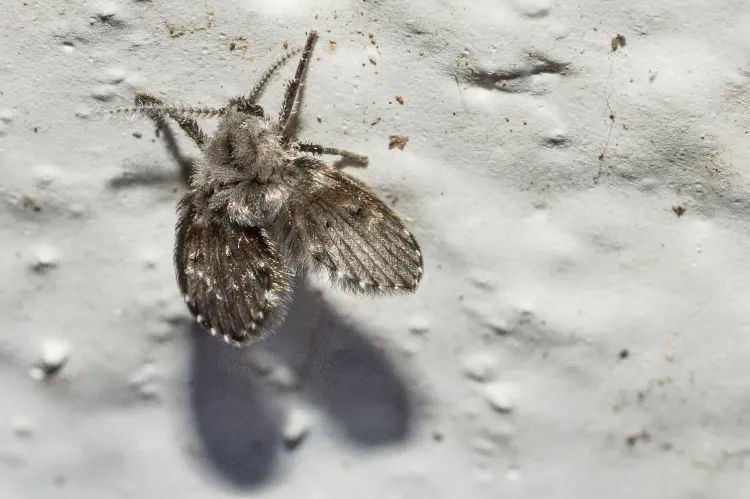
641	436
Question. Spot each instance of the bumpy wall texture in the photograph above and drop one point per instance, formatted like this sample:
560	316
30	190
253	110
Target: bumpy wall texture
583	326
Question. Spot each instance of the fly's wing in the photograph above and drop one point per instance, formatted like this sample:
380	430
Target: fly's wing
344	228
232	277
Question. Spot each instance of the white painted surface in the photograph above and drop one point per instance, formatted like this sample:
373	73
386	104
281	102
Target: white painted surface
618	332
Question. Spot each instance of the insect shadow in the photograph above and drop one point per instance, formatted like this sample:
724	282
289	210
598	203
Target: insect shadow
150	176
338	369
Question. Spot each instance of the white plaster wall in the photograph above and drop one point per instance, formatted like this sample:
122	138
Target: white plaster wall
572	337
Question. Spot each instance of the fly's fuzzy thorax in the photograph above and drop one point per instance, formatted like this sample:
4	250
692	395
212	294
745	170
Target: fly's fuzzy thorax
270	155
248	146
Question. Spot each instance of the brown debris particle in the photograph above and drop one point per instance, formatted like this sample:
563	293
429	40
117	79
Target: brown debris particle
397	141
285	45
400	99
679	209
618	41
372	37
331	45
238	43
30	203
177	30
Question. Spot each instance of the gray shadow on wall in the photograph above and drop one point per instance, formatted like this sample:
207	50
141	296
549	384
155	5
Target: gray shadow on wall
235	426
338	369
